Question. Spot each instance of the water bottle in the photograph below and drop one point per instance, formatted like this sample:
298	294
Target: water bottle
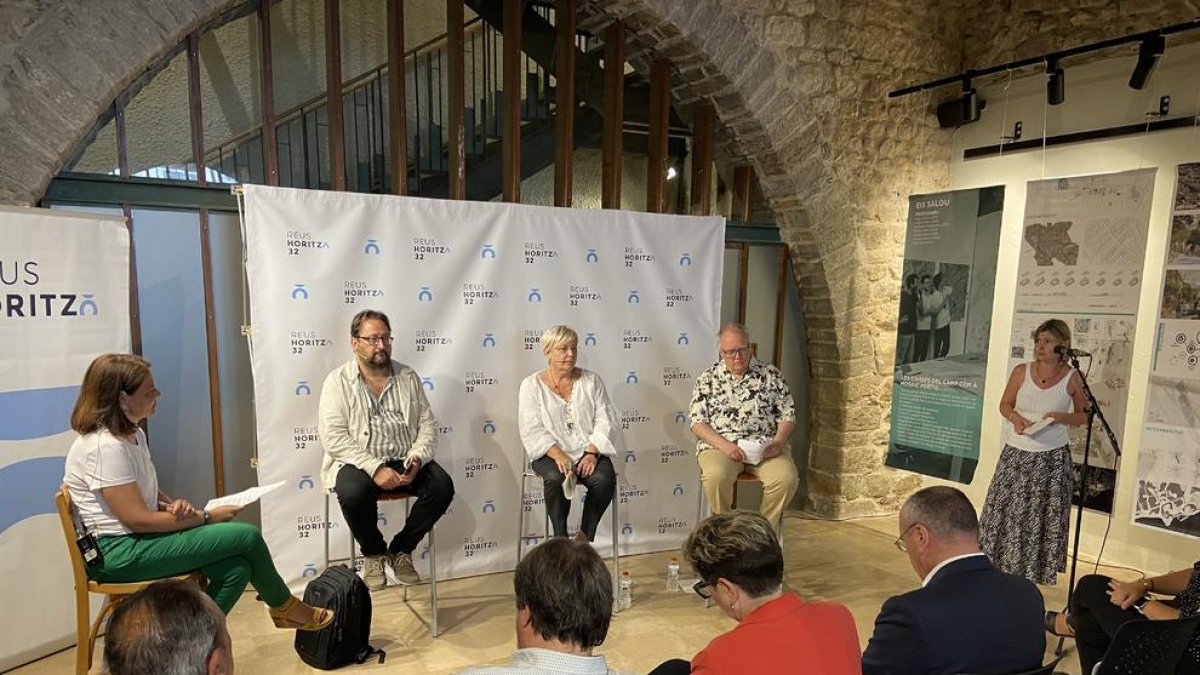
625	597
673	575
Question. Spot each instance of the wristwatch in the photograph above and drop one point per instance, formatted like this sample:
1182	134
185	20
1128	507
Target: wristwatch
207	518
1140	604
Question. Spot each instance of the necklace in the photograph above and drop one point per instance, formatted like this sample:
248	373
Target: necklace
558	386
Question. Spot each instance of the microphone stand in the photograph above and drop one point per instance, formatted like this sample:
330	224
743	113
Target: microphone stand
1094	412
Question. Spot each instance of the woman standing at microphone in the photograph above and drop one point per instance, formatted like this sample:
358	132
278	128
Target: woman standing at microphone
1025	516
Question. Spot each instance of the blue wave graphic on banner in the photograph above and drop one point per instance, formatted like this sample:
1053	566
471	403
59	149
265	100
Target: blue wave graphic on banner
27	489
36	413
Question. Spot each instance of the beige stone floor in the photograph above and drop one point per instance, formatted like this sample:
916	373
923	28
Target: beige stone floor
853	562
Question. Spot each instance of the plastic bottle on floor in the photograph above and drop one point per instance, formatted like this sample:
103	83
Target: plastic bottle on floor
625	597
673	575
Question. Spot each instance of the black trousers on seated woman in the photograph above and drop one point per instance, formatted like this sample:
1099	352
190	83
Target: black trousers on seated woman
600	485
1096	619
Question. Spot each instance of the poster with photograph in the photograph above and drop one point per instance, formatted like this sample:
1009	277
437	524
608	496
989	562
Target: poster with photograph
1168	468
1083	249
945	313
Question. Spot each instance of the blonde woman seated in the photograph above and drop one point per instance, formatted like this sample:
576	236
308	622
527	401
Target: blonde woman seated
141	532
570	432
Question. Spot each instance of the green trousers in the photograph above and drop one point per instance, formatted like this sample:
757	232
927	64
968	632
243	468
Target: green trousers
228	554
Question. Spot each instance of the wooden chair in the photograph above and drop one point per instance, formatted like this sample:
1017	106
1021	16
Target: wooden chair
743	477
114	593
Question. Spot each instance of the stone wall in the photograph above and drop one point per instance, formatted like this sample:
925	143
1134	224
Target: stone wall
1000	32
800	89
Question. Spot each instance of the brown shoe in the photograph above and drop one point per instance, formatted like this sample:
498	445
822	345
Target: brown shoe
373	574
402	566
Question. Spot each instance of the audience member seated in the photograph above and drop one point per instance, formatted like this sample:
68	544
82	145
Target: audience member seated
564	606
740	565
569	428
1103	604
967	617
168	628
140	531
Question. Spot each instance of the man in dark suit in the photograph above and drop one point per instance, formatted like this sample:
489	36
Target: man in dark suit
967	617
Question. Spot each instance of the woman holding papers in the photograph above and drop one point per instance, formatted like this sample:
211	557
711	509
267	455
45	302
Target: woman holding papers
1025	516
141	532
570	432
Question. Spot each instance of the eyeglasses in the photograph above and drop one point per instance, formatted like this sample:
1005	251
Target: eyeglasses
900	541
376	340
702	589
734	353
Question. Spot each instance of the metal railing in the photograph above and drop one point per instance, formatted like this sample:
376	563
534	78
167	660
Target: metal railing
302	131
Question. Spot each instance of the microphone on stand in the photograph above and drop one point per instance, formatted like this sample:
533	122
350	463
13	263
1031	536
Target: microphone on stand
1061	350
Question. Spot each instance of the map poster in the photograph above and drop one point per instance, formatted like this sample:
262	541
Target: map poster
944	323
1083	248
1168	468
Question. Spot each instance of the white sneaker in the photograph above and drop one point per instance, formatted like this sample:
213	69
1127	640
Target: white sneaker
373	575
402	566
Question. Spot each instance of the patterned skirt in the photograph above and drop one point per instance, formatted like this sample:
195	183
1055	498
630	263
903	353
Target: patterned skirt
1026	515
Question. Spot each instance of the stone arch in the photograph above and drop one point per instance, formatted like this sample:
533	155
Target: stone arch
823	176
61	66
846	254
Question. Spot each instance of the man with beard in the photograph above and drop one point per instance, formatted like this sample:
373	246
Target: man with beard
379	436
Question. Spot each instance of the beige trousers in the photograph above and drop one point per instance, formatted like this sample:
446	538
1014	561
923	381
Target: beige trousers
778	475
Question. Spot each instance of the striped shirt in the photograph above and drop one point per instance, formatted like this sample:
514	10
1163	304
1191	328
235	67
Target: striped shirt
391	436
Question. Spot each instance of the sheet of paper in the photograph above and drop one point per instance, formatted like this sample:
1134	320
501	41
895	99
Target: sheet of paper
753	448
243	498
1038	426
569	485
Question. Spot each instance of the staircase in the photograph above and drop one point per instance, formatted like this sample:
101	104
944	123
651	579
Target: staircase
301	132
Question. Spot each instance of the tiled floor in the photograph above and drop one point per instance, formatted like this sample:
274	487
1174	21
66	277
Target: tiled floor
852	562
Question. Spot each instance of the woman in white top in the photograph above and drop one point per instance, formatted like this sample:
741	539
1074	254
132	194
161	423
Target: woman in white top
141	532
569	429
1025	516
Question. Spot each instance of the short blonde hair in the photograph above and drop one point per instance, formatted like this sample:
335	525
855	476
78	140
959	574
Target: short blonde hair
557	335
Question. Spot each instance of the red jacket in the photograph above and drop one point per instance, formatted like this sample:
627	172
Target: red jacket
786	635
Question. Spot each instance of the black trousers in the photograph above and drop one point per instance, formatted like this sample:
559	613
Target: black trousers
672	667
1096	619
358	495
941	341
921	350
600	486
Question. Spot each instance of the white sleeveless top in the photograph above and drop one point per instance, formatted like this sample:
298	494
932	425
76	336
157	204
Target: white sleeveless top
1033	403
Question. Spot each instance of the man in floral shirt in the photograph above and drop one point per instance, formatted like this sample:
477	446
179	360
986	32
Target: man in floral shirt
742	413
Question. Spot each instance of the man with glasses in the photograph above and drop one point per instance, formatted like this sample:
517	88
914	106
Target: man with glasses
379	435
742	414
967	617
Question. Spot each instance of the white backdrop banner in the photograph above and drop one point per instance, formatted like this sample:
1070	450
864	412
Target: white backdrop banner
469	288
64	299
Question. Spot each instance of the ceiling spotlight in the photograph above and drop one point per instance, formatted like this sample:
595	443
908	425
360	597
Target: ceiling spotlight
1148	53
1056	83
671	173
970	102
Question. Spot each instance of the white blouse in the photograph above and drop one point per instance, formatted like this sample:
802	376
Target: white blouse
588	418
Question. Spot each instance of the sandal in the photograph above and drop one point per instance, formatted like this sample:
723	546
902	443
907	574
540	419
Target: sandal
318	619
1050	622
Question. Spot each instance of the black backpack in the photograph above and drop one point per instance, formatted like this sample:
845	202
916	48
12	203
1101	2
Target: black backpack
345	640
